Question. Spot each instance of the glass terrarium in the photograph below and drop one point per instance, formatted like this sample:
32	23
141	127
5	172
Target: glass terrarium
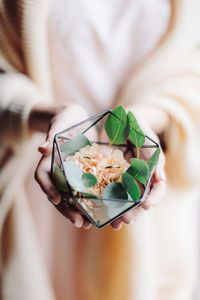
106	175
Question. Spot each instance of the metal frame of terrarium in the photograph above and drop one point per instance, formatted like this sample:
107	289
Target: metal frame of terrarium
129	147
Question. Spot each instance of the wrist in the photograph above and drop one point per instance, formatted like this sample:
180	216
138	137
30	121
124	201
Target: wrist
40	117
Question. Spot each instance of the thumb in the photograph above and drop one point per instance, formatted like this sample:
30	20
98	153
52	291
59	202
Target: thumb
46	148
160	169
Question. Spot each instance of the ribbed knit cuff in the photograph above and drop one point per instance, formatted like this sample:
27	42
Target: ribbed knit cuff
17	120
18	94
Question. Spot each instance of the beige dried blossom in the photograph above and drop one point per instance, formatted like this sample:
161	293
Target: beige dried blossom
105	162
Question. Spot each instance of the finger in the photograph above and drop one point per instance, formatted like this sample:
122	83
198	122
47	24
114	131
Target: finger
75	217
70	213
87	224
159	175
45	148
160	171
128	217
157	192
132	215
42	176
117	224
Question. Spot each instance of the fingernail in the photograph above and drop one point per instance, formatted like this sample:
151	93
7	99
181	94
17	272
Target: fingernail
117	228
56	200
78	223
162	175
45	145
87	226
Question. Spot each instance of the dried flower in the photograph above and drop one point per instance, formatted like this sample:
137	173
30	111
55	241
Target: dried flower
105	162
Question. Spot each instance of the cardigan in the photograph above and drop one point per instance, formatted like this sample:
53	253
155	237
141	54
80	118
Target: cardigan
168	78
155	79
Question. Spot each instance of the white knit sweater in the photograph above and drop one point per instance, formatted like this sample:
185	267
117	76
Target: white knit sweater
163	242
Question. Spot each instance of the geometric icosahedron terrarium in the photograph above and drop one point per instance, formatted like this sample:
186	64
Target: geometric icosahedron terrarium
104	177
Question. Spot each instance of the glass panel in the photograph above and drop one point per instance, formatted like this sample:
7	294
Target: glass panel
99	211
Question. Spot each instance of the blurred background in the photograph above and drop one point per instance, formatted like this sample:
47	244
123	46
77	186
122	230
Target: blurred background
61	62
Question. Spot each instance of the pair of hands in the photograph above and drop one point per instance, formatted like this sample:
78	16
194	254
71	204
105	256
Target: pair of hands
61	119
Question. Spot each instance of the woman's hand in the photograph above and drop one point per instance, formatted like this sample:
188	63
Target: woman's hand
151	120
63	117
157	191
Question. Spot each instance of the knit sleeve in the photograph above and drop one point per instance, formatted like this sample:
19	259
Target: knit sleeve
179	97
18	94
170	80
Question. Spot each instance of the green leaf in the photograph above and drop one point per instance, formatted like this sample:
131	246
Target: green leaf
139	170
74	177
152	162
89	179
75	144
115	190
59	180
136	134
116	126
131	186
